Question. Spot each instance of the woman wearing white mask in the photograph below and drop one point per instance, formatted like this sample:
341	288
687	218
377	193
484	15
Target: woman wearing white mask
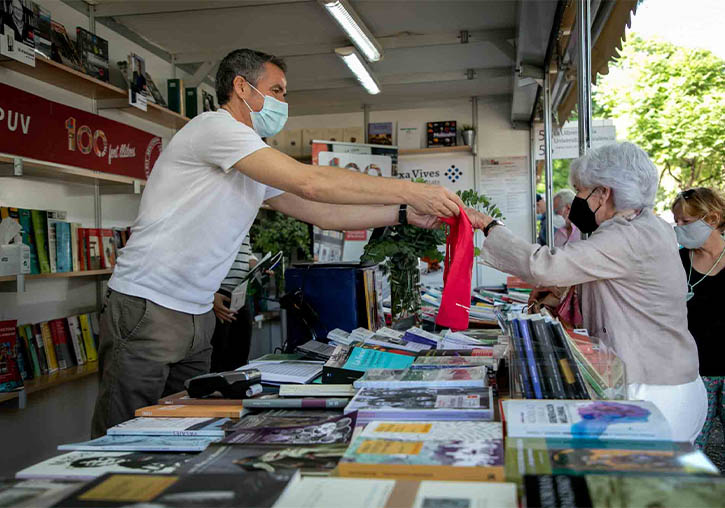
631	285
700	217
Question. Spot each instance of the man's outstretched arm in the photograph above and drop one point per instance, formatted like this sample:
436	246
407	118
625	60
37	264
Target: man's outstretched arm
332	185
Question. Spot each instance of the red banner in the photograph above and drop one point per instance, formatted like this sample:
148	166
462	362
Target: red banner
34	127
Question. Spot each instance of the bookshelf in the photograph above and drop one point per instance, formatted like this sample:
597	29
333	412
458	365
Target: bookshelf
52	380
108	96
435	149
62	275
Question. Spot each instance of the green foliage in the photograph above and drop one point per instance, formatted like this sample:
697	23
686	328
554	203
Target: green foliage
672	102
466	127
273	231
482	203
561	176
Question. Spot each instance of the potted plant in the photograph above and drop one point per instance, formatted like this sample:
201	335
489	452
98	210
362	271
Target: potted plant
468	133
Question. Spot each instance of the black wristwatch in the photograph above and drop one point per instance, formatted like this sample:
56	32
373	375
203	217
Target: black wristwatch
494	222
403	215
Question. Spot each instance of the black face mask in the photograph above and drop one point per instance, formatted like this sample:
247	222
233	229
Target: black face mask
582	216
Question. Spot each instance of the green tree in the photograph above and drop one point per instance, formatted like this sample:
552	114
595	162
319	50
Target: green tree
672	102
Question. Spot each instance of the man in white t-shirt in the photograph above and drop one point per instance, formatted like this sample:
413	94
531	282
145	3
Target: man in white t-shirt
199	203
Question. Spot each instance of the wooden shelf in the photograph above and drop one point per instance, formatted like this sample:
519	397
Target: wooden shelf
75	81
436	149
57	378
110	183
62	275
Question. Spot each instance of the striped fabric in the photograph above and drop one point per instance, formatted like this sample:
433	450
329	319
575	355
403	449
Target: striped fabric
240	267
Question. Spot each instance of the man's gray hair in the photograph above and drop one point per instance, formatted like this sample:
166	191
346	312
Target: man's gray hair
623	167
247	63
565	197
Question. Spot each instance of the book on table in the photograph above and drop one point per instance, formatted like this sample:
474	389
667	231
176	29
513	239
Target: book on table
298	371
317	390
149	426
591	419
143	443
279	418
474	377
626	490
34	493
469	451
577	457
337	430
257	489
372	493
416	404
191	411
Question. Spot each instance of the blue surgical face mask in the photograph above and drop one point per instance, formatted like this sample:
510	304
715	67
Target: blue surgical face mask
271	118
693	235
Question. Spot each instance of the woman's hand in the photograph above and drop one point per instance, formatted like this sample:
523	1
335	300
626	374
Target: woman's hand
478	220
222	312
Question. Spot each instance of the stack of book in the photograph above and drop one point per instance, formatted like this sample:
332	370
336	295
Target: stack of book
58	246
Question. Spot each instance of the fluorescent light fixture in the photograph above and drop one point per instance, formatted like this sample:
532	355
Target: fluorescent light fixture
358	67
355	29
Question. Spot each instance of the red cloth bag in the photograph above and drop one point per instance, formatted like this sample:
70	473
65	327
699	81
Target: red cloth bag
456	301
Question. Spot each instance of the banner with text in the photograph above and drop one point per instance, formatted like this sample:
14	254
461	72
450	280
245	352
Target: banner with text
34	127
565	143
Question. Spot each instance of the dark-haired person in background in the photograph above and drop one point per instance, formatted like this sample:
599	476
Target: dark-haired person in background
202	196
700	217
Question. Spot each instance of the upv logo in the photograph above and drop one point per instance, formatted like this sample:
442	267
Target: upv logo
453	173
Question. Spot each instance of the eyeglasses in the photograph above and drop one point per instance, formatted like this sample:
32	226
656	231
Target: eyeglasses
687	194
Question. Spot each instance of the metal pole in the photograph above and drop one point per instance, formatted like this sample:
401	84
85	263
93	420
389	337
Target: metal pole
92	18
584	75
532	178
476	175
366	121
549	166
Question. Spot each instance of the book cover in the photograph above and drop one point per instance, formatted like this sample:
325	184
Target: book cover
521	366
154	90
433	431
76	338
49	346
380	133
441	133
579	387
532	364
174	88
53	216
93	52
561	456
474	377
299	371
88	465
362	359
219	458
604	491
191	102
138	91
547	359
34	332
63	50
207	101
10	378
34	493
409	136
183	398
257	489
82	250
108	252
89	344
95	327
397	343
94	249
143	443
63	253
26	221
317	348
22	356
444	459
190	427
596	419
281	418
337	430
320	390
184	411
59	332
30	347
415	404
454	361
40	230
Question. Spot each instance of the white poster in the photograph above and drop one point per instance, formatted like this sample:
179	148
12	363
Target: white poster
368	164
17	39
565	143
451	170
507	181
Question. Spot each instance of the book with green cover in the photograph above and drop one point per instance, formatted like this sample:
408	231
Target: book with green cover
577	457
63	253
40	228
31	349
362	359
26	222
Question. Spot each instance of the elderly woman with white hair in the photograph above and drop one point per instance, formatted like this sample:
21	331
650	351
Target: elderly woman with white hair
633	287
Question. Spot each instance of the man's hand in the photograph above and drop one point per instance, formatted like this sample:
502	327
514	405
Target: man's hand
423	221
434	200
222	312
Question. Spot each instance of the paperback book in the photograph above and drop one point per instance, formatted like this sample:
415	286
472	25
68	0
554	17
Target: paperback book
145	443
257	489
195	411
10	378
34	493
416	404
397	343
198	427
318	390
336	430
279	418
453	361
432	431
596	419
474	377
299	371
89	465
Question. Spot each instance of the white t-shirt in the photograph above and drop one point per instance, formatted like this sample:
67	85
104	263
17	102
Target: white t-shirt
194	214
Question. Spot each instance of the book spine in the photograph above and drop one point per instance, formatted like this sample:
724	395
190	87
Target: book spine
522	367
34	331
567	376
534	369
62	247
75	261
76	339
555	387
49	346
21	357
40	227
580	386
26	221
82	253
31	349
88	341
60	340
52	249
